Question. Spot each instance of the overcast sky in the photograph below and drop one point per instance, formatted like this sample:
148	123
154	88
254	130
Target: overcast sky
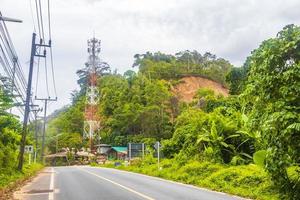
228	28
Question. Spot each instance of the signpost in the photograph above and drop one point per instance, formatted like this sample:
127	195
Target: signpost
157	147
29	150
135	150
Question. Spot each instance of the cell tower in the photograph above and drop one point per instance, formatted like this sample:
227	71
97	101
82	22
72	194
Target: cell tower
92	119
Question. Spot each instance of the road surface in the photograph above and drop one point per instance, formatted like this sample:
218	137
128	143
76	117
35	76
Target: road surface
91	183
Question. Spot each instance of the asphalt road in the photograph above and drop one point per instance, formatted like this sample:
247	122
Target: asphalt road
91	183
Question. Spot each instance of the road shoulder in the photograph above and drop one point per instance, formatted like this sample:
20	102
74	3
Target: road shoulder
41	187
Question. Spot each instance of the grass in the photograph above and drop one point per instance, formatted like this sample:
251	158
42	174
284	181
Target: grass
249	181
11	179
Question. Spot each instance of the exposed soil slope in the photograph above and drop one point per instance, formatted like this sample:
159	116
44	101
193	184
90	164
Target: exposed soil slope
188	86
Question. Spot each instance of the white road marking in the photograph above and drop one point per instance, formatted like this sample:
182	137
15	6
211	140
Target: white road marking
122	186
51	187
174	182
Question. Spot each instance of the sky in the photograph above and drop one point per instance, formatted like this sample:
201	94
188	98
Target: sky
228	28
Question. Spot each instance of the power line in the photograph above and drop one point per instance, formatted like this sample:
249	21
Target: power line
52	70
49	20
37	76
40	20
32	17
37	16
21	75
16	84
51	54
42	24
9	59
46	79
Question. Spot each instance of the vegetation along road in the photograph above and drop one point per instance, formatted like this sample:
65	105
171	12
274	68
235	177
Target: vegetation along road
205	106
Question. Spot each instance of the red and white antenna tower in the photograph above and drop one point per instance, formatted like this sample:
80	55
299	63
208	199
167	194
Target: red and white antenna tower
92	119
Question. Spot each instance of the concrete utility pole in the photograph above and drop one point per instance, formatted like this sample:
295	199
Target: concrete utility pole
157	146
158	154
27	108
46	100
34	53
36	111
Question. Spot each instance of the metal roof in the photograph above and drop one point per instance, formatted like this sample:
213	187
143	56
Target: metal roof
120	149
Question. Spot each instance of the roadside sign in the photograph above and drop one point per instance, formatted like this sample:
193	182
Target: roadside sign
135	150
28	149
157	145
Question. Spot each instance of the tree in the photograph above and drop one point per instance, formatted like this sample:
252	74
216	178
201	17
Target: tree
237	77
165	66
272	99
9	134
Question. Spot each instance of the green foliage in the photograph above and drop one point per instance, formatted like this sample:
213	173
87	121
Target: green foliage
5	101
237	77
204	93
10	179
162	66
246	180
9	135
213	136
259	157
66	140
262	117
67	126
134	105
10	130
132	109
272	97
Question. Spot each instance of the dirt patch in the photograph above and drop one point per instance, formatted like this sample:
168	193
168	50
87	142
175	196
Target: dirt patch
188	86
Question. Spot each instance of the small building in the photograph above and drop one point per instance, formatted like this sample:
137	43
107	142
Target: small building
60	158
117	153
103	148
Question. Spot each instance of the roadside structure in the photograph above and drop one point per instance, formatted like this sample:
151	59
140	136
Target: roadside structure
94	65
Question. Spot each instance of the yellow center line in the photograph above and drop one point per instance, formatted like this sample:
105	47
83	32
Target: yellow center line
118	184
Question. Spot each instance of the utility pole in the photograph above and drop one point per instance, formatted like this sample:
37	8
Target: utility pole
157	146
46	100
158	149
36	111
27	108
34	53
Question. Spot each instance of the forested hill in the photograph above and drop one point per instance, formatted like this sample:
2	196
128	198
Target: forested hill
185	63
144	105
260	123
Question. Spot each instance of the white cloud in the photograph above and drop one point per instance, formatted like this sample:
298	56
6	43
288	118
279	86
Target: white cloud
228	28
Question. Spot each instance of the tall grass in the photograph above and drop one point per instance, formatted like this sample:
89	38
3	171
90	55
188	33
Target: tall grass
249	181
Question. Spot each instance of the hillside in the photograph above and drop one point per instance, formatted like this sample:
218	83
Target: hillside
188	86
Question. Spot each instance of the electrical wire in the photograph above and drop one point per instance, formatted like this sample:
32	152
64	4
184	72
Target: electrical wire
51	53
37	77
42	24
12	68
11	62
37	16
8	61
46	79
49	20
20	71
31	11
52	70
